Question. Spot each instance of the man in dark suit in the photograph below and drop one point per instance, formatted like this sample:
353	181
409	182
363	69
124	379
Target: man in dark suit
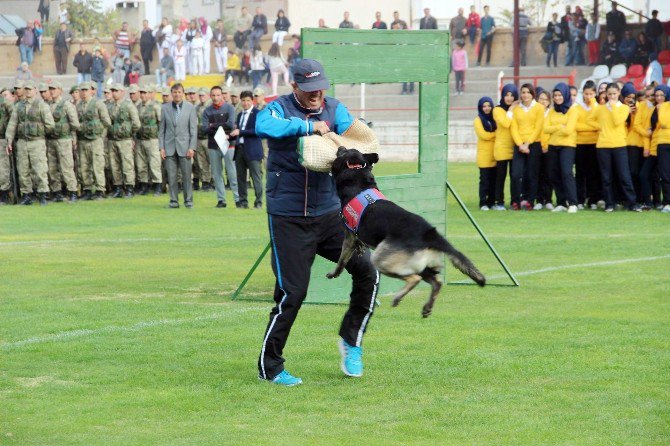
427	21
248	151
177	139
62	42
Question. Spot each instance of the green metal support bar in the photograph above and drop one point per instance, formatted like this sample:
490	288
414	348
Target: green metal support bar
251	271
483	236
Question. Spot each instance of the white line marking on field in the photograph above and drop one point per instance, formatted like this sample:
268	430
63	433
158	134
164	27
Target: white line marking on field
73	334
121	240
578	265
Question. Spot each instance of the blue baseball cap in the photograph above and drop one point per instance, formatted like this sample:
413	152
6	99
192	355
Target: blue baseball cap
310	76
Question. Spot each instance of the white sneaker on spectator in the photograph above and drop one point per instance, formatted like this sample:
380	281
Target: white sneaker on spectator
484	208
601	204
659	207
559	208
549	206
594	207
666	209
572	209
537	207
499	207
618	206
580	207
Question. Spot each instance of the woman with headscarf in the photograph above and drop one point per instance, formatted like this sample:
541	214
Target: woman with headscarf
545	189
612	149
634	141
526	129
663	149
560	125
587	172
207	35
485	129
503	148
657	156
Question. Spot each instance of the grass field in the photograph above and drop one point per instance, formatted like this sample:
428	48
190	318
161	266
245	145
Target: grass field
117	328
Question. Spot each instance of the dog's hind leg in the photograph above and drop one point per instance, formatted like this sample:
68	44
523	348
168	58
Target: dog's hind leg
436	285
410	282
348	248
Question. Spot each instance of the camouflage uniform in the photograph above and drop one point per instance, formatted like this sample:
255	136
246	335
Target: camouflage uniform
5	166
31	120
60	143
148	157
94	119
125	123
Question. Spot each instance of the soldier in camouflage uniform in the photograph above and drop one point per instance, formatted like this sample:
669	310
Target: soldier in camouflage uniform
61	144
43	88
109	102
94	119
148	157
125	123
6	108
74	95
31	120
201	154
134	95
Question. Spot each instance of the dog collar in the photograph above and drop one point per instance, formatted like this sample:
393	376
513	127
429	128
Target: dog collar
352	213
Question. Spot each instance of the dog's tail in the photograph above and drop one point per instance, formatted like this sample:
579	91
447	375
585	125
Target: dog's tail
458	259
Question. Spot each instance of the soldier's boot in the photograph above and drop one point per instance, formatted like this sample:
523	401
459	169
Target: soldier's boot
73	197
99	195
196	183
158	189
129	192
58	197
118	192
206	187
27	200
43	199
144	188
86	195
4	198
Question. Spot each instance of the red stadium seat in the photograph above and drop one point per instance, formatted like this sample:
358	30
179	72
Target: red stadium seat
666	70
635	75
664	57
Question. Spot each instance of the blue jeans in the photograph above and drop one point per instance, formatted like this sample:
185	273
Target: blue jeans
99	90
216	161
256	77
26	54
578	52
255	38
553	51
83	77
570	53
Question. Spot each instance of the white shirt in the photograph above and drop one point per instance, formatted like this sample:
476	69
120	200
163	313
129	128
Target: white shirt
243	123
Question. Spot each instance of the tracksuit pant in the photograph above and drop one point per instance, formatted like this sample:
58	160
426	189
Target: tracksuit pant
562	162
587	174
487	186
664	170
526	173
613	161
295	243
635	157
503	168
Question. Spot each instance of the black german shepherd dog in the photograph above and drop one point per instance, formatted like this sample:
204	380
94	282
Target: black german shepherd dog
405	245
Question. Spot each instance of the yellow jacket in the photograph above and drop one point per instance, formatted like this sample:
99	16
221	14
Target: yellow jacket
642	122
587	132
612	123
485	142
527	123
503	148
544	137
561	127
663	126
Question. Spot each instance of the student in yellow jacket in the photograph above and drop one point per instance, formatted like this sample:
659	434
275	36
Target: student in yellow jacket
503	148
587	171
663	150
650	158
642	127
545	190
634	141
612	149
560	125
526	128
485	129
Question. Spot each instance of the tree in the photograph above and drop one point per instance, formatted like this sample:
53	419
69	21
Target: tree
87	18
536	10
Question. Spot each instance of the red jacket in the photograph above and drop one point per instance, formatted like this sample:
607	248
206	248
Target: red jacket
473	20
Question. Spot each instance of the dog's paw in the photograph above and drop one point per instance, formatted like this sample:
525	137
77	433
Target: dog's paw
395	302
426	312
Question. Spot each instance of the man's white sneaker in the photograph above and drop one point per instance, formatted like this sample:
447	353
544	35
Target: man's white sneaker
484	208
572	209
560	208
549	207
537	207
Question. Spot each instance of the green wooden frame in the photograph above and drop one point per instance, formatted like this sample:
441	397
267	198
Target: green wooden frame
389	56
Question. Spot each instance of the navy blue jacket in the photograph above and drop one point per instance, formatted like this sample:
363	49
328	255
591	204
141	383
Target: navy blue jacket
213	118
291	189
253	147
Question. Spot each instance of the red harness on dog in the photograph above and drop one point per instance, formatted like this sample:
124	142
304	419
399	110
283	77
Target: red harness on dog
352	213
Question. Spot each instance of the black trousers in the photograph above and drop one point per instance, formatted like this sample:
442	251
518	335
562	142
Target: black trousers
587	174
242	163
615	162
545	185
487	186
664	170
526	173
502	170
562	162
485	41
635	155
647	179
295	243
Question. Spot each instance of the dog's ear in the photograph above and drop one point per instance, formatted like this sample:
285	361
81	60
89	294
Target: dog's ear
341	151
371	158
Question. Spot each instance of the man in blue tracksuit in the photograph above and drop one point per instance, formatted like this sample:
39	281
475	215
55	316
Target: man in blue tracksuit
303	218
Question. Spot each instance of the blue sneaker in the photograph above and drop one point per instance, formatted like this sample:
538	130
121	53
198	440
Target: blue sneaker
352	359
286	379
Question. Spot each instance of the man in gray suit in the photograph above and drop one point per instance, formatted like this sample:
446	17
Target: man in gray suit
177	139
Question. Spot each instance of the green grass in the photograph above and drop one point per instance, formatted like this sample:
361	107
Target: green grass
116	328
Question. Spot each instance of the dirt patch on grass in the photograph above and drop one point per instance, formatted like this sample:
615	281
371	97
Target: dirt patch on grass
37	381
